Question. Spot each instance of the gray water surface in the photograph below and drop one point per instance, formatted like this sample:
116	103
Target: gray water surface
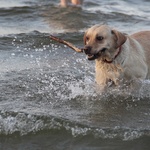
48	96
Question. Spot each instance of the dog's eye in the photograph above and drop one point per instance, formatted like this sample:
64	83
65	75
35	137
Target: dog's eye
87	38
99	38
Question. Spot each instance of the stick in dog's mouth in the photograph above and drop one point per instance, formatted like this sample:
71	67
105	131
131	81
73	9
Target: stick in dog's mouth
66	43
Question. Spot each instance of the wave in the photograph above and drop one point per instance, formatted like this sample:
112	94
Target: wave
47	17
75	108
23	123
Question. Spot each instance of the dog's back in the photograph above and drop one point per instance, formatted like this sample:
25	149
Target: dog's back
143	38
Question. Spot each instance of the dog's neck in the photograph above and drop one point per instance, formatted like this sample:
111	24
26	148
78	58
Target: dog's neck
109	69
110	61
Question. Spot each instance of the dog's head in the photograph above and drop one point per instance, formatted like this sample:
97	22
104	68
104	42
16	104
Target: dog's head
102	42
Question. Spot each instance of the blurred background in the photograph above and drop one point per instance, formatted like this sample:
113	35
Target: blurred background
48	96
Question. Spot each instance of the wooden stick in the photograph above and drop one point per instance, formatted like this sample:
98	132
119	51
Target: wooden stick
66	43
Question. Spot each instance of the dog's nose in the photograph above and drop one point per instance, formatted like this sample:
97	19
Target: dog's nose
87	49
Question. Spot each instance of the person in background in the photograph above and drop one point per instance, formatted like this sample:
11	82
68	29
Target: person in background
64	3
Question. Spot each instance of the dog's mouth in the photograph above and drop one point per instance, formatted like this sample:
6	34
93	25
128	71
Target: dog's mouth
93	56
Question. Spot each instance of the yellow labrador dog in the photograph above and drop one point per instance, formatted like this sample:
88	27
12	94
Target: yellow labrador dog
119	57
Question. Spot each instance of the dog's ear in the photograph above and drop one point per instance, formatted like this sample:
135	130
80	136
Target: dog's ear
120	37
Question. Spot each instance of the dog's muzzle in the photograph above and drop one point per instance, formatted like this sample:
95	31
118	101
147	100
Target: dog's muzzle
90	55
